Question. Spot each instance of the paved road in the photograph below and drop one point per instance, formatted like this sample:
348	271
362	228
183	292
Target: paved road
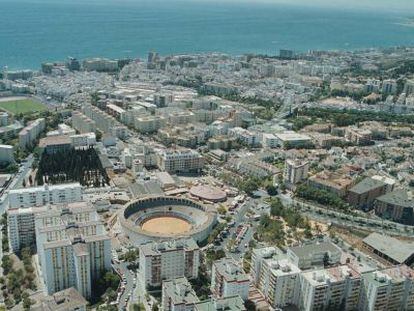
129	286
23	171
347	220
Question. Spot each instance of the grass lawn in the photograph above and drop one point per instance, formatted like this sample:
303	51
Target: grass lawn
22	106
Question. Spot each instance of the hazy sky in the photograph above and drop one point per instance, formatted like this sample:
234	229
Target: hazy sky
392	5
402	6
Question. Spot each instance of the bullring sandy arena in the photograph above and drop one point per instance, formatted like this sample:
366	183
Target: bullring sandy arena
156	218
166	225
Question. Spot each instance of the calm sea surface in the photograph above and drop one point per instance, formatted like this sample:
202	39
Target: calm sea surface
33	31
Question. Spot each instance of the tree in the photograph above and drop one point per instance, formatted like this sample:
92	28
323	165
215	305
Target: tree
27	302
138	307
250	306
271	190
6	264
109	295
131	255
98	135
326	260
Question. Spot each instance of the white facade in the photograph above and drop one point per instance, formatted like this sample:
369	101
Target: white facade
73	248
228	279
21	227
295	171
82	123
39	196
337	288
389	289
178	295
83	140
149	124
279	282
184	160
6	154
244	136
168	260
269	140
30	133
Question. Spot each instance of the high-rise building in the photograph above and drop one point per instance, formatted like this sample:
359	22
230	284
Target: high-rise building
73	247
82	123
258	257
228	279
409	87
295	171
389	289
73	64
168	260
184	160
100	65
6	154
336	288
39	196
30	133
149	124
21	227
389	86
315	254
279	281
178	295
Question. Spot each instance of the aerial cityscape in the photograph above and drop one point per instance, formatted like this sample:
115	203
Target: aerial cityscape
209	181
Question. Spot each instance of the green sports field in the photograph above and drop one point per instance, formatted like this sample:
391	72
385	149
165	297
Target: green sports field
22	106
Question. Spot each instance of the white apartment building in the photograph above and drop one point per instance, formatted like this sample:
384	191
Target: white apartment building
269	140
388	289
244	136
100	64
258	257
30	133
279	282
389	86
65	300
73	247
39	196
178	295
295	171
409	87
104	122
4	119
311	255
337	288
6	154
228	279
82	123
149	124
83	140
168	260
63	129
182	160
21	227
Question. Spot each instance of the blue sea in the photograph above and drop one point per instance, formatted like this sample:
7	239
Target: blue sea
34	31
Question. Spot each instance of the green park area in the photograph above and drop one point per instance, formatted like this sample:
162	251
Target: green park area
22	106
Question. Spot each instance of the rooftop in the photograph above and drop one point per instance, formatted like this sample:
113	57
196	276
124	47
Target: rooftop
157	248
404	198
230	270
67	299
179	291
314	248
395	249
366	185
